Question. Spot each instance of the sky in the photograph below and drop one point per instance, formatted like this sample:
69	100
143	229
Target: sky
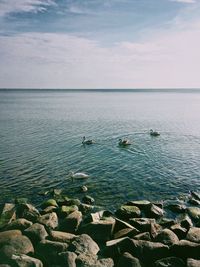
99	44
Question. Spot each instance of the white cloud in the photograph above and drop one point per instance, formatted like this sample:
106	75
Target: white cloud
10	6
170	59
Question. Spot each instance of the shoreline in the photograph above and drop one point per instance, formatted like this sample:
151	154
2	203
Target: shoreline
66	231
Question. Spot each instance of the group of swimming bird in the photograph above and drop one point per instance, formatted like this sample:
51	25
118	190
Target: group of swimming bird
122	142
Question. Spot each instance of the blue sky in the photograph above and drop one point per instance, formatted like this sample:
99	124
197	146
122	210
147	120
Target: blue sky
99	43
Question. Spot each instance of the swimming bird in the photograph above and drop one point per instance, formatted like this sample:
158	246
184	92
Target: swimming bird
154	133
78	175
87	142
124	142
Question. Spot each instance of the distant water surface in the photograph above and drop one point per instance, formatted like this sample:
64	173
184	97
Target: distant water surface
41	133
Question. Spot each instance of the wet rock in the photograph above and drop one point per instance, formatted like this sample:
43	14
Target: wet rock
49	202
146	225
66	210
194	201
126	232
84	188
100	231
19	224
85	208
179	230
25	261
141	204
71	222
194	213
167	237
185	221
49	251
177	207
67	259
61	236
17	244
88	200
50	220
120	224
170	262
84	244
166	222
193	263
36	233
186	249
196	195
27	211
126	212
154	211
143	236
128	260
49	209
8	214
193	234
90	260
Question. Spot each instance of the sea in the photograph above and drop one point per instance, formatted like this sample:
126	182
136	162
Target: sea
41	142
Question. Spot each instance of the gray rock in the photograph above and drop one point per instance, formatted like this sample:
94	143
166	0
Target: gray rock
88	200
85	208
8	214
89	260
154	211
127	260
170	262
143	236
186	249
126	232
146	225
141	204
25	261
195	195
167	237
19	224
67	259
179	230
36	233
193	234
126	212
71	223
61	236
166	222
27	211
194	213
185	221
177	207
17	244
193	263
50	220
120	224
49	251
49	209
100	231
84	244
64	211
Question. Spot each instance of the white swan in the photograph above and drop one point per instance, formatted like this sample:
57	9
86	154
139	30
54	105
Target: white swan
87	142
154	133
78	175
124	142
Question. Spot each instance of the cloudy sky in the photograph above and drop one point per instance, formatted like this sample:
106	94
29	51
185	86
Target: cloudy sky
99	44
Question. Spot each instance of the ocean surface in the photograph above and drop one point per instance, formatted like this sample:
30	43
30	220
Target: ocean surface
41	133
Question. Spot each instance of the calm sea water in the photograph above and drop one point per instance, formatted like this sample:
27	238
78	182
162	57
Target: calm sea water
41	134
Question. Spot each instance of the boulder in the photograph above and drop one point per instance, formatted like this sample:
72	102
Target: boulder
166	222
186	249
146	225
196	195
50	220
154	211
90	260
194	213
127	260
194	201
167	237
49	202
126	232
49	209
83	244
8	214
179	230
66	210
8	235
120	224
170	262
100	231
71	222
143	236
185	221
88	200
193	263
141	204
193	234
27	211
20	224
85	208
177	207
67	259
36	233
126	212
61	236
25	261
49	251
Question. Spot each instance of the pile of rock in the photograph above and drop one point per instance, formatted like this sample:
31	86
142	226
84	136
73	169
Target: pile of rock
68	232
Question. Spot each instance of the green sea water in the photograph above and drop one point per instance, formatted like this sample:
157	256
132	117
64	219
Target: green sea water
41	133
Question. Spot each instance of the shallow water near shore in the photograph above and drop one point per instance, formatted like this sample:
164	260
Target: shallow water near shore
41	134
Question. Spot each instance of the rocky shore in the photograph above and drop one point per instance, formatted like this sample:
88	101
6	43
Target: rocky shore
68	232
